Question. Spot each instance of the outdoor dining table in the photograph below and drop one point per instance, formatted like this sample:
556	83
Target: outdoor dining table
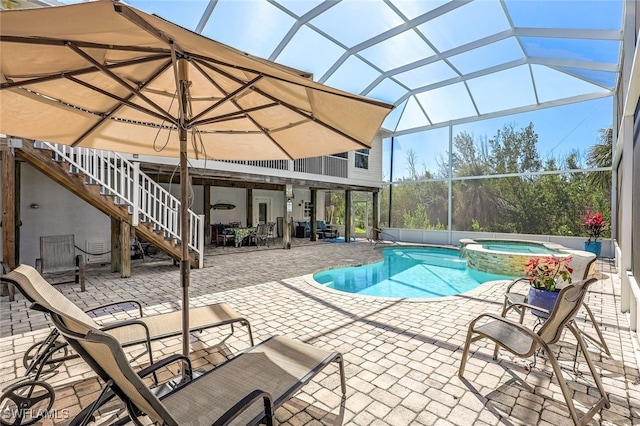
241	234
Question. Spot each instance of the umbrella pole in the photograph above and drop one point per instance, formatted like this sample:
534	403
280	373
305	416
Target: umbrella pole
185	263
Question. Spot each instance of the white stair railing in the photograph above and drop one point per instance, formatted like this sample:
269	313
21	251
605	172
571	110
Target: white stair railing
147	201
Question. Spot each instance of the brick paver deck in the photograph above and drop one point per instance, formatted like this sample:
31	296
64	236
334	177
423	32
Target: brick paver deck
401	356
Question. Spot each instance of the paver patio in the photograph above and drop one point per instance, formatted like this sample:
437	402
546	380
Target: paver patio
401	356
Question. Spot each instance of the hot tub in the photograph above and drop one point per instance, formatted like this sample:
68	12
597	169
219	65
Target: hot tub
507	257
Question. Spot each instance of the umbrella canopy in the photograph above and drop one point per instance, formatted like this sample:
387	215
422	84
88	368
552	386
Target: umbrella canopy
107	76
103	75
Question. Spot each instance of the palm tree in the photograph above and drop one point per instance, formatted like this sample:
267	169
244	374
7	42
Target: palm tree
601	155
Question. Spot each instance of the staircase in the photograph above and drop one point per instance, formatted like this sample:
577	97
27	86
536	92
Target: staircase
116	187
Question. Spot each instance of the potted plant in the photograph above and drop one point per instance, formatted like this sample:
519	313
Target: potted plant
546	276
595	224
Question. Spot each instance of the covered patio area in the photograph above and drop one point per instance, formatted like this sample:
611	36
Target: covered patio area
401	356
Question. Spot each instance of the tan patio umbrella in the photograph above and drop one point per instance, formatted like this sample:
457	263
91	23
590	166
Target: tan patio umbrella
107	76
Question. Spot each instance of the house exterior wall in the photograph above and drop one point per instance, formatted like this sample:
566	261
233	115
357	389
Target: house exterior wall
59	212
375	165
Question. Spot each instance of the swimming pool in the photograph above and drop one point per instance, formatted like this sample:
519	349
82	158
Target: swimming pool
408	272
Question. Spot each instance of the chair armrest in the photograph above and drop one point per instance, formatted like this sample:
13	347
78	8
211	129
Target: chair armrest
167	361
516	281
245	403
39	265
129	323
134	302
526	306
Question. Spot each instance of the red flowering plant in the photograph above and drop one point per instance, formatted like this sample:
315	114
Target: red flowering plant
544	273
595	224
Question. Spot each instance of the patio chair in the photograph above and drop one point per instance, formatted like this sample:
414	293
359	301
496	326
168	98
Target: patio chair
330	231
58	255
224	235
583	264
524	342
271	231
260	235
140	330
244	390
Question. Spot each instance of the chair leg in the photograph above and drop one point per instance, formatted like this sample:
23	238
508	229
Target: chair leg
463	360
600	341
596	377
566	392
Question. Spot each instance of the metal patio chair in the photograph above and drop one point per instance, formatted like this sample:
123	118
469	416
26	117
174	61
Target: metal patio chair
524	342
260	235
583	264
58	255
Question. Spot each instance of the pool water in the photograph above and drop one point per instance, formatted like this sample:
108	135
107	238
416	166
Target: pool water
518	247
411	272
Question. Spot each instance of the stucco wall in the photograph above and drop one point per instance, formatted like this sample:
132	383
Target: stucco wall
59	212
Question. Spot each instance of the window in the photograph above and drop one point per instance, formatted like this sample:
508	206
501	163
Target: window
362	158
339	155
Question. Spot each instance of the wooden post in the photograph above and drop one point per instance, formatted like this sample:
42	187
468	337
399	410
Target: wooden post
249	207
9	228
125	249
314	223
286	232
116	252
347	216
207	214
8	212
376	215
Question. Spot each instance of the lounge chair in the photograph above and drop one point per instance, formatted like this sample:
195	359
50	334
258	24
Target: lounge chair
583	265
524	342
141	330
244	390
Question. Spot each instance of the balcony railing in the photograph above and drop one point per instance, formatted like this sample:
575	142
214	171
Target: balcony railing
326	165
268	164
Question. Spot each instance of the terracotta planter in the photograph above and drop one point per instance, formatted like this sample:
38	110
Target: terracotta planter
542	298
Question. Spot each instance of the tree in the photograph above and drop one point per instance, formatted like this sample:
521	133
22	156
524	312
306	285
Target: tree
515	151
474	198
601	155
